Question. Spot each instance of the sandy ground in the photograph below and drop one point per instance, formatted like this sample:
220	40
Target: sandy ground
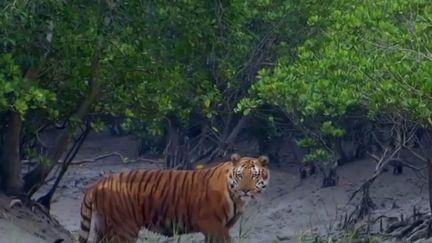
289	208
21	225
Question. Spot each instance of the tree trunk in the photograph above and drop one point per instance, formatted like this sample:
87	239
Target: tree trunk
424	137
330	176
34	179
429	165
175	156
330	179
226	142
236	130
10	164
228	139
46	199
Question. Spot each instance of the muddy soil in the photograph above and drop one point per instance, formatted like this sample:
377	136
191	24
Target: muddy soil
289	209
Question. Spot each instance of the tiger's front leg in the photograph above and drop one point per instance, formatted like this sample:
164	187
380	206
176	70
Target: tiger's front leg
218	239
215	232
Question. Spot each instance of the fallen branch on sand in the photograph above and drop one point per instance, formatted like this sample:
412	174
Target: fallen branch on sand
103	156
124	159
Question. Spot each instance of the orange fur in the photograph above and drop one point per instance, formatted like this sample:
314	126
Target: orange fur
173	202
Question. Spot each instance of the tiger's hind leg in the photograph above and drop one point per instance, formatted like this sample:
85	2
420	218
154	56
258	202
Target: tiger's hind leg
100	228
105	233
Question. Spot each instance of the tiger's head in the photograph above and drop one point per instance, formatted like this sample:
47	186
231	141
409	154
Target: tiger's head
248	176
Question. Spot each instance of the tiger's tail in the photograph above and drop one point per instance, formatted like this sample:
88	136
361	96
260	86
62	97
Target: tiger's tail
86	216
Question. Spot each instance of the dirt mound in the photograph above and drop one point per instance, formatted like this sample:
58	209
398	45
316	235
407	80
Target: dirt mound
19	224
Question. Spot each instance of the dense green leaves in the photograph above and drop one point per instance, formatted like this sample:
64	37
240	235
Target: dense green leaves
145	60
17	93
373	55
141	60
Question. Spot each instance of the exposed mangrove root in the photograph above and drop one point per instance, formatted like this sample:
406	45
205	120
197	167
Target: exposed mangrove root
414	228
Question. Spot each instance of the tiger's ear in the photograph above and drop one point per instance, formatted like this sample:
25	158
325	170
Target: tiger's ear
264	160
235	158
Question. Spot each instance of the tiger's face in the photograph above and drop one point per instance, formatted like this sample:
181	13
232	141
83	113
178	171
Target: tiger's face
249	176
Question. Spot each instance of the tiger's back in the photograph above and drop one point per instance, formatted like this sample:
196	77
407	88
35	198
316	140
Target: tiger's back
168	202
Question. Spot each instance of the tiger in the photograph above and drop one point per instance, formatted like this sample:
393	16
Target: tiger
173	202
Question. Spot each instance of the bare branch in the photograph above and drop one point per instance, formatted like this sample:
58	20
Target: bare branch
377	141
417	155
373	156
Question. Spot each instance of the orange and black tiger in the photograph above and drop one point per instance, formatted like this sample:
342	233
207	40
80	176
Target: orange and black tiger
173	202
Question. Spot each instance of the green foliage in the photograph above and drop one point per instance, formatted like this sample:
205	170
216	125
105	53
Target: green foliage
145	60
18	93
140	60
327	128
373	55
317	154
